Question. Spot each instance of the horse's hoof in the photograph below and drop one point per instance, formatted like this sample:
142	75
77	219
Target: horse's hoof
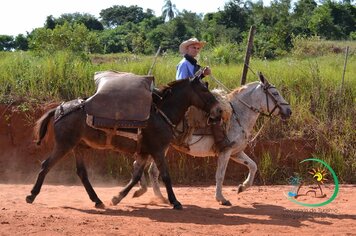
30	198
226	203
115	200
240	189
139	193
177	206
100	205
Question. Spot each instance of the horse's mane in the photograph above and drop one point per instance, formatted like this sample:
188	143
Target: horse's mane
163	90
237	90
173	84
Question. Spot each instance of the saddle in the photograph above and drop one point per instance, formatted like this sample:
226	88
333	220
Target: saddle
195	120
122	100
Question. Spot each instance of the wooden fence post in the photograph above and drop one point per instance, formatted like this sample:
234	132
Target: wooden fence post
154	61
248	54
343	73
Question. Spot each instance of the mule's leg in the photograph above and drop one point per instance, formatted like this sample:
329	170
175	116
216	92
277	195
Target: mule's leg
136	176
153	173
142	183
223	160
46	166
161	163
83	175
243	159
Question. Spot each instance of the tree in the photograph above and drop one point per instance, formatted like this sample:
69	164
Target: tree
50	22
235	17
88	20
301	16
169	10
6	43
21	42
119	15
76	38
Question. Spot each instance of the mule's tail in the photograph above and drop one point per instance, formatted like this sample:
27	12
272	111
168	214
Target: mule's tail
40	129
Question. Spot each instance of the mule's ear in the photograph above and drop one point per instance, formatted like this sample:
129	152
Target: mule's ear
262	78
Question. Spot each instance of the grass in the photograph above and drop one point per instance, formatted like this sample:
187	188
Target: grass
322	111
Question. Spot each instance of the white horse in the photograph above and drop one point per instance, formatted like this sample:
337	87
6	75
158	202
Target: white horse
248	103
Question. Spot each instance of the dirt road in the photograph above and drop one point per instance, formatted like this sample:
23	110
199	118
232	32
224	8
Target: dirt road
67	210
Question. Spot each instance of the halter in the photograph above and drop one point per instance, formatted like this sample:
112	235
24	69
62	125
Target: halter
277	104
266	88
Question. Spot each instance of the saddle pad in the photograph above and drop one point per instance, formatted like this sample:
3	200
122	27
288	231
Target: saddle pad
121	96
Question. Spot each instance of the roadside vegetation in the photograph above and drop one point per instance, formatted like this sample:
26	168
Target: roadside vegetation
300	48
324	109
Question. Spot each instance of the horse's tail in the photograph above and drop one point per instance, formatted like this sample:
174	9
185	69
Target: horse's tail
40	128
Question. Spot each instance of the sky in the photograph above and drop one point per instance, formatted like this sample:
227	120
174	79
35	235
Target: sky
21	16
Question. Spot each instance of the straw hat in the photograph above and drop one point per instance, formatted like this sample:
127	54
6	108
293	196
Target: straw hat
183	47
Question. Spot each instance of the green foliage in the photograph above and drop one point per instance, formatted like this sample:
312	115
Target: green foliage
119	15
21	42
334	20
59	75
225	54
323	114
74	18
75	38
130	29
267	168
6	42
315	46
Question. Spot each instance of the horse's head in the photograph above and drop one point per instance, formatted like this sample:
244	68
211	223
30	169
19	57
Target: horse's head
274	103
202	98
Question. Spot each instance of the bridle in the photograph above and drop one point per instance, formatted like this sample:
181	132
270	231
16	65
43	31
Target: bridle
266	89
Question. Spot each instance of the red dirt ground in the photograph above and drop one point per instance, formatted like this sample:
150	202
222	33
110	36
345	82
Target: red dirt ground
67	210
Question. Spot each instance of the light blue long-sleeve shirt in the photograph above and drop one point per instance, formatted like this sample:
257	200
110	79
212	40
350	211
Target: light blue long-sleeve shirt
185	69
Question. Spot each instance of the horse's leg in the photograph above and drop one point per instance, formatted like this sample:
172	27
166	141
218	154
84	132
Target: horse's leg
223	160
161	163
142	183
46	166
243	159
83	175
136	176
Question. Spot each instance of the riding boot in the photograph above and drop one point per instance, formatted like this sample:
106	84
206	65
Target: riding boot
221	140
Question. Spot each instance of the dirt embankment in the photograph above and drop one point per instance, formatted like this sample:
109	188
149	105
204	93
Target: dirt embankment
20	157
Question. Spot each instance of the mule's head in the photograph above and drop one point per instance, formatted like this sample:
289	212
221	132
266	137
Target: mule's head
203	99
274	103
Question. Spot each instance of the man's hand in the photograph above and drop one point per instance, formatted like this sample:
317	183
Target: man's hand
206	71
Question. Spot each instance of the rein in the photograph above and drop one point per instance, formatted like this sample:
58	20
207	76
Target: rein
164	116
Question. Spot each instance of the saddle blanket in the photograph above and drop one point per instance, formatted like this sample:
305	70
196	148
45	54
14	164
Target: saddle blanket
121	96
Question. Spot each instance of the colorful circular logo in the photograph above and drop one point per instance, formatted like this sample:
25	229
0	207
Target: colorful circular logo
319	175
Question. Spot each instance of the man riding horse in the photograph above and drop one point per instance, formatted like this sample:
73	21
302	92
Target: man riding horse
187	68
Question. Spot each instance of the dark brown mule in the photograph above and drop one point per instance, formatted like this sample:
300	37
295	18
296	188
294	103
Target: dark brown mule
71	130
